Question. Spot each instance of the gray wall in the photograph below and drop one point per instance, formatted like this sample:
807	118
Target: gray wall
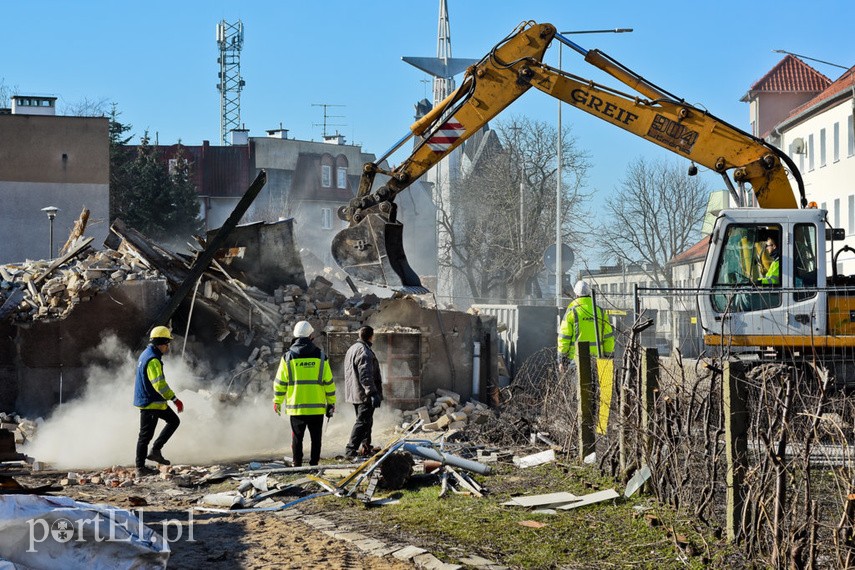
51	161
447	344
42	353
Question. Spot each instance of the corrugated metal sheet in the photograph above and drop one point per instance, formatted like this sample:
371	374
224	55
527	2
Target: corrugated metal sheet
529	330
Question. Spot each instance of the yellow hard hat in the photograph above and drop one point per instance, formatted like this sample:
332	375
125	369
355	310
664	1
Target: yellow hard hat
160	332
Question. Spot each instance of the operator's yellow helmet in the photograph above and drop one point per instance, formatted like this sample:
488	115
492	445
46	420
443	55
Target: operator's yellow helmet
160	333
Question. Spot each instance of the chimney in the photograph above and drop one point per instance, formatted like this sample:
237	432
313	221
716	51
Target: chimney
33	105
279	133
334	139
239	137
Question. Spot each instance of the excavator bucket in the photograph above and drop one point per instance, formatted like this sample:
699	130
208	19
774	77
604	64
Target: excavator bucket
373	251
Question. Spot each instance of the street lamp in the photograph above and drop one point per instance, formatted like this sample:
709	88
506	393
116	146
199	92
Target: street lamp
810	58
559	274
51	214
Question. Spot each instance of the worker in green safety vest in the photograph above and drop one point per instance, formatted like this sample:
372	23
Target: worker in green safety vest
578	326
304	385
773	273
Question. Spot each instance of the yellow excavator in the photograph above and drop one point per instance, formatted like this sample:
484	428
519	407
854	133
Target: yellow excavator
740	307
371	248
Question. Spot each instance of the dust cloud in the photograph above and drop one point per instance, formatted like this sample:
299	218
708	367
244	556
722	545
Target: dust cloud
99	429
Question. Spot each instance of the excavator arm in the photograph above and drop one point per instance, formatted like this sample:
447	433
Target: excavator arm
371	247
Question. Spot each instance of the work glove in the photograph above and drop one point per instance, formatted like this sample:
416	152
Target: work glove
277	408
330	410
375	400
179	405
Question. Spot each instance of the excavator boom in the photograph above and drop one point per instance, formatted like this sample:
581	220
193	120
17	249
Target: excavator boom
371	248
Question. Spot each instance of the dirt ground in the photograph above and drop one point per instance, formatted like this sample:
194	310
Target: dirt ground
278	539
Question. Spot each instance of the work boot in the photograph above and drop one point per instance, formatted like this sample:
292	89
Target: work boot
145	471
158	457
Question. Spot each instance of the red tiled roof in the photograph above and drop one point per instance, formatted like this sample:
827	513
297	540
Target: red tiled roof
694	253
791	75
843	83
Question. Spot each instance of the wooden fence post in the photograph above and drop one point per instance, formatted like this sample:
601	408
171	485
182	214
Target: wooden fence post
585	391
649	388
736	444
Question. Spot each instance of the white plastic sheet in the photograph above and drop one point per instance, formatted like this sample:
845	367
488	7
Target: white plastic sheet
41	532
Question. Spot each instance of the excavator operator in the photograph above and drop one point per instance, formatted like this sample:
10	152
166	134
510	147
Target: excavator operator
773	272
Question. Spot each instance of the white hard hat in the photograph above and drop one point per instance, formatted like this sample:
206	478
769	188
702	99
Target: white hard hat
303	330
582	289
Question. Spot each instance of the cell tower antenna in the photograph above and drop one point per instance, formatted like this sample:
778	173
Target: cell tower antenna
327	117
229	42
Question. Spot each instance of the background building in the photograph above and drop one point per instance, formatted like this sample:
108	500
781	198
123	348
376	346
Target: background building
49	160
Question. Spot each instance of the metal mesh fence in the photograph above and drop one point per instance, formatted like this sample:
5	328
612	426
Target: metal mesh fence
796	482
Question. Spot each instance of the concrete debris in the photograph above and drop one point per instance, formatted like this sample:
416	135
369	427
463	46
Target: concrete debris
74	282
14	431
443	411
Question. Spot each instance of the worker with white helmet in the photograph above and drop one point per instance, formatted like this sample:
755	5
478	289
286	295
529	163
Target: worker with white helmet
579	326
304	384
151	392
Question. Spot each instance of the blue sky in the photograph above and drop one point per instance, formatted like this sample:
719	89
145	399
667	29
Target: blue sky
158	60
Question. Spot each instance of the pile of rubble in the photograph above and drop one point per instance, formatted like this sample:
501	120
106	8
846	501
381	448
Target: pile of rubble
118	476
320	304
445	412
54	295
23	430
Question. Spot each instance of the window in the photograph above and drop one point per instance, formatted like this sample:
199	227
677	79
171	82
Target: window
822	160
744	259
810	153
326	175
837	212
835	145
341	177
850	130
326	218
851	214
804	261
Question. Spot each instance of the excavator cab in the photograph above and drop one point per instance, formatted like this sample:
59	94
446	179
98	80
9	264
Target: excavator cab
743	305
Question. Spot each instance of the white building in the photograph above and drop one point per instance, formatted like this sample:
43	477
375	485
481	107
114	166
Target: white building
818	133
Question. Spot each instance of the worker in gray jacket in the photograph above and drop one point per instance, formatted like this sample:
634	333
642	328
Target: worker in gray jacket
364	389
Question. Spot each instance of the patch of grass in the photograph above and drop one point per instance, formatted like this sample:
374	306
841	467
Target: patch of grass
606	535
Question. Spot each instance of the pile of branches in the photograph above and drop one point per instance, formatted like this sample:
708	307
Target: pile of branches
540	400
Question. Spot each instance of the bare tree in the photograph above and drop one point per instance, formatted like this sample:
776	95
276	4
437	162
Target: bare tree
654	216
89	108
6	92
501	215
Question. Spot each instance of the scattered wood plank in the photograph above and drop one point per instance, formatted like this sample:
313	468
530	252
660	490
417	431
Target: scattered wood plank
546	500
590	499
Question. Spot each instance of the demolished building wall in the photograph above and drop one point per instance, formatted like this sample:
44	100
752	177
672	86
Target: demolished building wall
47	359
447	345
